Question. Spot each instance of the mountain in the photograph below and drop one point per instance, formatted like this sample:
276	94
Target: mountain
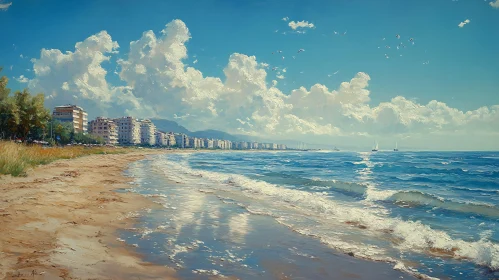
215	134
169	126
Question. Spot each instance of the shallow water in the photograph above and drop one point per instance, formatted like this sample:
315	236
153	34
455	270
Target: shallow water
434	213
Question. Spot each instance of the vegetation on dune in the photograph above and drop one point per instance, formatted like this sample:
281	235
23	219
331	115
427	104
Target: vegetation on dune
16	158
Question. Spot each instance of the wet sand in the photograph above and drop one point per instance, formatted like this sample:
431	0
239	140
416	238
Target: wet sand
60	221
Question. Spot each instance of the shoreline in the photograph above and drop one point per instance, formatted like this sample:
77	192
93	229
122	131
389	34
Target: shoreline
60	221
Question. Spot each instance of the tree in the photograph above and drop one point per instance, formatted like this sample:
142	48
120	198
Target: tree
32	113
9	113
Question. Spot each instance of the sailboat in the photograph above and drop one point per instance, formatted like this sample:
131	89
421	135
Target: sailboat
375	149
336	149
396	147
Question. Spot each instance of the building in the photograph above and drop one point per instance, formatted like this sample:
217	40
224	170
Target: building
73	114
182	140
128	130
273	146
104	128
161	138
170	137
147	133
228	144
208	143
254	145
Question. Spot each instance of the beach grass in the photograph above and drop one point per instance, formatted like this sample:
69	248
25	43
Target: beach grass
16	158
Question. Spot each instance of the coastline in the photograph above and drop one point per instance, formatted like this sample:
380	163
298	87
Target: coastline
60	221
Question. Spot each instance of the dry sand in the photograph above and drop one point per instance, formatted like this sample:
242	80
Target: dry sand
60	222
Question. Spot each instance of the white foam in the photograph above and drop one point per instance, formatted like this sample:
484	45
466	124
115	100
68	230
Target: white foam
411	235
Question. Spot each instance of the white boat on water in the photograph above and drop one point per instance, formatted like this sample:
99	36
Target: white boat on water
375	149
396	147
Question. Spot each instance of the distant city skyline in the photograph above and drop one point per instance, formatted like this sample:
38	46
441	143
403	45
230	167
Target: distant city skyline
342	73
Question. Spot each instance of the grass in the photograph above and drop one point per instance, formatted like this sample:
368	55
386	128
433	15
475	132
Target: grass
16	158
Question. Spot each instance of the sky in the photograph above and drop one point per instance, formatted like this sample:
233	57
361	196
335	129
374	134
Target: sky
343	73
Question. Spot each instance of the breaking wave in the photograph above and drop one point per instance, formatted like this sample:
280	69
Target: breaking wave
404	234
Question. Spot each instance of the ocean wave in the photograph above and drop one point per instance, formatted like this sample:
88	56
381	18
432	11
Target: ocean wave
406	234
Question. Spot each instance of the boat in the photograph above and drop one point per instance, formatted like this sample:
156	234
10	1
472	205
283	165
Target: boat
375	149
336	149
396	147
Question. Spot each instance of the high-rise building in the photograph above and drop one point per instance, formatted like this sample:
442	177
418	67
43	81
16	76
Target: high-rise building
104	128
182	140
170	139
73	114
208	143
128	130
147	131
161	138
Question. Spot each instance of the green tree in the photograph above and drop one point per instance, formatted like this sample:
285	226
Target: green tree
9	113
32	113
64	130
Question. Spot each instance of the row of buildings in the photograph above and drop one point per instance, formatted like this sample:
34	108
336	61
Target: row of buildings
131	131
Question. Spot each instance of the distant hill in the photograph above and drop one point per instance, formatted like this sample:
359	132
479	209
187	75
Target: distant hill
169	126
215	134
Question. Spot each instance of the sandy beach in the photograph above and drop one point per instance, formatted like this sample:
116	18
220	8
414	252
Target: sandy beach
59	222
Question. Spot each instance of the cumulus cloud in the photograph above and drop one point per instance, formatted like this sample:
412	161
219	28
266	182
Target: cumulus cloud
157	83
22	79
462	24
495	4
5	7
300	24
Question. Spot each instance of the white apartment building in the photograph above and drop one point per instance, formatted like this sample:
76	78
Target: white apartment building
73	114
208	143
254	145
273	146
147	132
161	138
128	130
182	140
104	128
170	137
228	144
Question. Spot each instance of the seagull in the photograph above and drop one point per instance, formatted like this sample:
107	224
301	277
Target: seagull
274	68
301	50
279	51
397	47
345	33
411	40
336	72
427	62
384	39
293	57
398	36
335	32
386	56
387	46
283	58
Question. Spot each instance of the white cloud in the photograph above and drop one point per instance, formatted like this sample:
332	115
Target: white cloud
22	79
280	77
495	4
195	61
159	84
285	18
300	24
5	7
462	24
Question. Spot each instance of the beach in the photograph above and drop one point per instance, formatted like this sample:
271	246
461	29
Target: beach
59	222
171	214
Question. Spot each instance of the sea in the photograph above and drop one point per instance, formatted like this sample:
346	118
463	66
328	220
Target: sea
320	214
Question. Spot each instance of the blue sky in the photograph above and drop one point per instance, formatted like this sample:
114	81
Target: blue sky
463	68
